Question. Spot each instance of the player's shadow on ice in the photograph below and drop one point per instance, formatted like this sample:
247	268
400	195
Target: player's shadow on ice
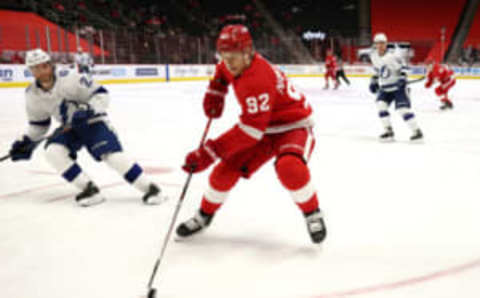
274	249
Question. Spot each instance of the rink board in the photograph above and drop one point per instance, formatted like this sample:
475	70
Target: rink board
19	76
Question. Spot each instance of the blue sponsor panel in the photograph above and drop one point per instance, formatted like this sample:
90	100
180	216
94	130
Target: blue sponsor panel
6	74
119	72
146	72
467	71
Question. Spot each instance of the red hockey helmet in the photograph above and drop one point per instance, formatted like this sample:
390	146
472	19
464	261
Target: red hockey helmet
234	38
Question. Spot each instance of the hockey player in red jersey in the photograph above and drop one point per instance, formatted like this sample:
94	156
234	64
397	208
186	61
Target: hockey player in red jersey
445	77
331	69
275	122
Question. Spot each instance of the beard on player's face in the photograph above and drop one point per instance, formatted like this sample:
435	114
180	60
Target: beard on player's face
43	72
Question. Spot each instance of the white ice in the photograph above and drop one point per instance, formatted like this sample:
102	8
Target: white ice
403	219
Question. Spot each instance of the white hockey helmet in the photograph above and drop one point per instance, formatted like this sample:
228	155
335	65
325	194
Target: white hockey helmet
36	56
380	37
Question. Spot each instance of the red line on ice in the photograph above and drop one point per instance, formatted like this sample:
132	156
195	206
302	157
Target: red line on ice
111	185
405	283
18	193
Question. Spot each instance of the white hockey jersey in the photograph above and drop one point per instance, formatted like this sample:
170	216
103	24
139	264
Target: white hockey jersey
390	69
83	59
71	92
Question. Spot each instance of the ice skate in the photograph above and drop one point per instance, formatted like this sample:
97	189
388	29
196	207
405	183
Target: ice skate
417	136
194	225
90	196
154	196
387	136
447	105
316	226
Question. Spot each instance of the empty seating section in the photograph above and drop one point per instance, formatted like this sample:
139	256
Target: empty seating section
419	22
20	31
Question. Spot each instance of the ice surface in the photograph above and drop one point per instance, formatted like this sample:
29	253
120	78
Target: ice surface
402	218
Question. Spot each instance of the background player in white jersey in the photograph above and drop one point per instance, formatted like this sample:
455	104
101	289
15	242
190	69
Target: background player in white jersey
83	61
80	105
390	84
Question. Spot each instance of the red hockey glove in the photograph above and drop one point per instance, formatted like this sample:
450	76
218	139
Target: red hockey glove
200	159
214	99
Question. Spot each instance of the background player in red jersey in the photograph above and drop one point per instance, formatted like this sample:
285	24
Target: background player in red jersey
445	76
331	69
275	123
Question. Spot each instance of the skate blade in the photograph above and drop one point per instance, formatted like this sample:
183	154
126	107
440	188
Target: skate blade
154	202
387	140
418	141
92	202
181	239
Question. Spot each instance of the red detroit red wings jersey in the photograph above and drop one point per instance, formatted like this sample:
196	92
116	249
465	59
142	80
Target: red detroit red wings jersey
270	104
331	62
440	73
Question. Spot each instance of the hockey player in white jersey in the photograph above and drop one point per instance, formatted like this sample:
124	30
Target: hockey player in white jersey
390	85
80	105
83	61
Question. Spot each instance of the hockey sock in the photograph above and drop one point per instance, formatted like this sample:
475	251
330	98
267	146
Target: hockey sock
384	114
58	157
129	170
409	118
294	175
221	181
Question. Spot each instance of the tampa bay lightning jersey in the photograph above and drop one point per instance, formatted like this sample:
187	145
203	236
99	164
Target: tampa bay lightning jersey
390	69
83	59
71	92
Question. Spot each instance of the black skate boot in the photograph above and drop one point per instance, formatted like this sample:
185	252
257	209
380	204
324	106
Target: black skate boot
90	196
387	136
154	196
194	225
447	105
417	136
316	226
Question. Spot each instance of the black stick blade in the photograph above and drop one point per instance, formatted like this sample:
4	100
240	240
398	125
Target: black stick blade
152	293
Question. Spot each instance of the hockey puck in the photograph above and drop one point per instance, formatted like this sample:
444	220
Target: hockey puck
152	293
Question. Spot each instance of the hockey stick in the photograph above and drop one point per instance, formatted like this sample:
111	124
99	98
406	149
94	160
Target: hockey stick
32	145
416	80
152	292
55	134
